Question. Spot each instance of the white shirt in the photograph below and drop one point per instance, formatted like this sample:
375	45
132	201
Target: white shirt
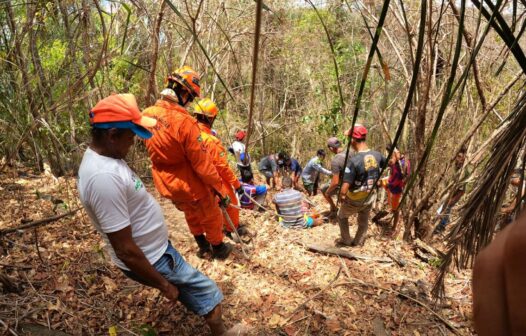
239	148
114	198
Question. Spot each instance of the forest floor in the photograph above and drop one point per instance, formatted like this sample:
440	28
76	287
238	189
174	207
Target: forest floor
69	285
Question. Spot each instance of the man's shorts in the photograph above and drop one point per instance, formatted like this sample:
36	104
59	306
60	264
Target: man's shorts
308	222
349	207
393	200
326	186
267	173
309	186
197	292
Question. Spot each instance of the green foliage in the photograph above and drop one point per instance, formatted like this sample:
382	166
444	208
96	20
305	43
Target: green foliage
147	330
436	262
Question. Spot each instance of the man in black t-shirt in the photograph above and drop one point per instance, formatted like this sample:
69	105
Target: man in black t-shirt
358	195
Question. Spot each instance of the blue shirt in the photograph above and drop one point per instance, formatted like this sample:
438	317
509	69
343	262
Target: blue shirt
294	167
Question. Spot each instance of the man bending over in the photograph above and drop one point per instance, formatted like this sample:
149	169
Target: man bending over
129	219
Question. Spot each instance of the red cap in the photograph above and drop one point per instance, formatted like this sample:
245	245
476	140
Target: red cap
359	132
240	135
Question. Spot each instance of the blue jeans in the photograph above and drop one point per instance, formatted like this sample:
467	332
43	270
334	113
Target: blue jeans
197	292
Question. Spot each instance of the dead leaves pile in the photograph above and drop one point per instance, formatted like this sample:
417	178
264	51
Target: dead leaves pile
73	287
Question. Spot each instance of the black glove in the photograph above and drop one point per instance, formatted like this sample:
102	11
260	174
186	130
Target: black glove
240	191
224	202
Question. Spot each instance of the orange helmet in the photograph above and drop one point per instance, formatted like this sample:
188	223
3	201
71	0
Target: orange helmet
206	107
188	78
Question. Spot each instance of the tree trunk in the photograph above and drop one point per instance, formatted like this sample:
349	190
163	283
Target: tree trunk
152	92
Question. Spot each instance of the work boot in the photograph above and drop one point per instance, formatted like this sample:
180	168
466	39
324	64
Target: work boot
204	245
242	232
221	251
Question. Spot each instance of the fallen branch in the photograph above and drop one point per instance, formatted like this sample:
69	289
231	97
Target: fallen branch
344	253
8	285
16	266
11	331
400	261
426	248
39	222
355	281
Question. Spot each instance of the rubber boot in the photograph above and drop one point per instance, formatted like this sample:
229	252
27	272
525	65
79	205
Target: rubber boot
344	231
204	245
221	251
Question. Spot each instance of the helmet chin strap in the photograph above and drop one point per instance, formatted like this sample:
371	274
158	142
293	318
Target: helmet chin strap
173	93
180	98
183	102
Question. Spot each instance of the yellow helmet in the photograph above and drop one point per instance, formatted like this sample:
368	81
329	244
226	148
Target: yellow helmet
206	107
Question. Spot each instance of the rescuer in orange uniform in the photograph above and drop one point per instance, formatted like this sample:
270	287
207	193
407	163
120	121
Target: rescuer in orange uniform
182	169
205	112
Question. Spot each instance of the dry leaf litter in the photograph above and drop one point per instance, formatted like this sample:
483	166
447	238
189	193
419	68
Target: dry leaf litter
69	285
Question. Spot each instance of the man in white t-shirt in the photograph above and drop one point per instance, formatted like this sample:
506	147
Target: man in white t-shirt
129	219
238	148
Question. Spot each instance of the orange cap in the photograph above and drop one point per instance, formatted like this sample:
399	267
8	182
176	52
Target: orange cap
120	111
119	107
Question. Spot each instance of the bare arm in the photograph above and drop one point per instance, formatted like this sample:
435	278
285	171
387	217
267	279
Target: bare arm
132	256
276	205
489	296
345	189
334	184
319	168
515	275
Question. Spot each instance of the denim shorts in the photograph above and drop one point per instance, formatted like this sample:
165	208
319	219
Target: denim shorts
197	292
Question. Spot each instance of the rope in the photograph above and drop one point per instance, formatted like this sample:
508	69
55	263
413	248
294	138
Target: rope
256	203
229	220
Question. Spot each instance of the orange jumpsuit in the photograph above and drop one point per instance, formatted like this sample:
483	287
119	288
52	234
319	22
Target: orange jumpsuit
218	153
183	171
